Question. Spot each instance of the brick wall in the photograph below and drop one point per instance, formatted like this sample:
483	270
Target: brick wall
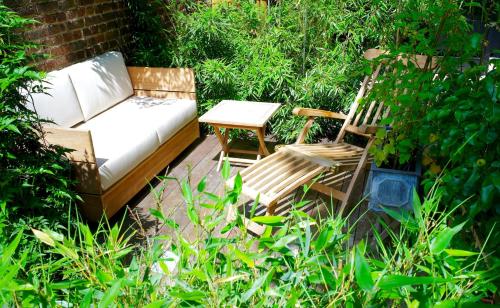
75	30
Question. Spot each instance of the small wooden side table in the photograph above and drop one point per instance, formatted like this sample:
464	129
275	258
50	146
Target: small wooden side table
229	114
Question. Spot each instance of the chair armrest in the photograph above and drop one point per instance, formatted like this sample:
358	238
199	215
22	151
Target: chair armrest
370	129
309	112
80	141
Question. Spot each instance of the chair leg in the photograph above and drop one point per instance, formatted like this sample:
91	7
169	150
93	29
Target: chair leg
271	208
352	184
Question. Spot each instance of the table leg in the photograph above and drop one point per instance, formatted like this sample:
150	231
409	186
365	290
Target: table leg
261	131
223	142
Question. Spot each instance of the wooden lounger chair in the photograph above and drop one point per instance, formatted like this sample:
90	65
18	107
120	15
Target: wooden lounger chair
292	166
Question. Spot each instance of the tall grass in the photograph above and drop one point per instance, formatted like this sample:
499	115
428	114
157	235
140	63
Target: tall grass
303	53
303	262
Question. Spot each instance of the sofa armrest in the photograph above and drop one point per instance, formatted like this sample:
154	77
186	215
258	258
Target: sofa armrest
84	163
80	141
163	82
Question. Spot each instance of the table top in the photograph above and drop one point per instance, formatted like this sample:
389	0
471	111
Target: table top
240	113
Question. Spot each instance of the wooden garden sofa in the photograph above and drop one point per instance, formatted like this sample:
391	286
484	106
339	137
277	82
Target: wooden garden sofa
125	125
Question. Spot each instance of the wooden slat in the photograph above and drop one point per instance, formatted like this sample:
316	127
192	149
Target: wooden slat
316	159
367	90
376	117
243	151
368	113
353	109
277	167
356	130
337	178
329	191
239	160
277	178
293	183
263	164
166	94
163	79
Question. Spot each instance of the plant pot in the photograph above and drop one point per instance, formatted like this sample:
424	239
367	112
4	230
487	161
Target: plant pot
391	188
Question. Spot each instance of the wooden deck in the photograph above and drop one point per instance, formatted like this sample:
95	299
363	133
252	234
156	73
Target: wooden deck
196	162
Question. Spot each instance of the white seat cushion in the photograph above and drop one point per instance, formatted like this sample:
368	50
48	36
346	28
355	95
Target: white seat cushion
100	83
128	133
60	103
120	144
167	116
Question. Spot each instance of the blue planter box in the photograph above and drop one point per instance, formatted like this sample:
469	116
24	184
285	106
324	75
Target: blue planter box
390	188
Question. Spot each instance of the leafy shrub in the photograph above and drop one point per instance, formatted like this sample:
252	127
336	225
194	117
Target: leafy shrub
447	113
299	53
305	263
34	176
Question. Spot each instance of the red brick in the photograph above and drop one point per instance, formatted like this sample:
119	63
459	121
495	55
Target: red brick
73	30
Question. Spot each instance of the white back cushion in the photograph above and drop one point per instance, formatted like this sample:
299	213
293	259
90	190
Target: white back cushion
60	103
100	83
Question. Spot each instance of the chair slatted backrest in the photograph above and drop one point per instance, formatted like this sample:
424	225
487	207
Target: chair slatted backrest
363	118
362	115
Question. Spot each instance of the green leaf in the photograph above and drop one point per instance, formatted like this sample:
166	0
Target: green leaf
362	271
110	295
186	192
202	184
9	251
269	220
67	284
156	213
44	237
196	295
238	183
254	206
475	40
460	253
397	281
228	227
283	241
323	239
257	284
192	214
226	169
443	239
156	304
244	257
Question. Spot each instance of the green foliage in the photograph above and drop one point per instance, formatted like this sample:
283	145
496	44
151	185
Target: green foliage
304	262
34	177
298	53
449	113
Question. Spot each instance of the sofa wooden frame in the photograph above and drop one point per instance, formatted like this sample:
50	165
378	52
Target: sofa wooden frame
154	82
